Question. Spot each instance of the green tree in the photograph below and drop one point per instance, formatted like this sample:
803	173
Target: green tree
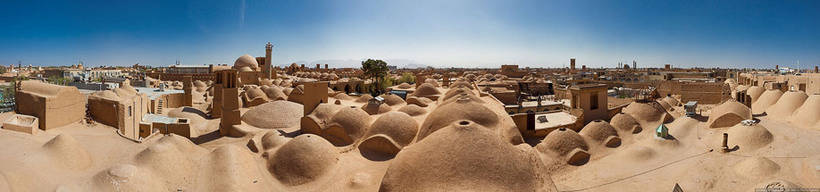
406	77
375	70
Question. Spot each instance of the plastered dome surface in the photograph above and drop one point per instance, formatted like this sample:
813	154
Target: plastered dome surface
392	99
748	138
808	115
561	142
274	115
399	126
347	126
426	90
787	104
413	110
456	159
598	130
766	100
462	109
728	114
647	112
302	160
246	61
626	123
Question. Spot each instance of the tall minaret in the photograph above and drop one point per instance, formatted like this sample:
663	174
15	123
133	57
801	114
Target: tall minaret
267	68
634	64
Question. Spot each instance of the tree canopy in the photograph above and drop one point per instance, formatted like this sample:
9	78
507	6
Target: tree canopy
375	69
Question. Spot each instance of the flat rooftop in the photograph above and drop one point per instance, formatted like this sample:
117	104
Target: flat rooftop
554	120
153	93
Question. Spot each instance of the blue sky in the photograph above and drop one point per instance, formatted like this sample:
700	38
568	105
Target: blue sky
452	33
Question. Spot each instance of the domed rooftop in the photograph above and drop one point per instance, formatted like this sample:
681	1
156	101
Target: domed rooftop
600	131
347	126
728	114
766	100
426	90
462	109
413	110
420	101
463	157
748	138
392	99
246	61
275	93
303	159
562	142
787	104
274	115
404	86
397	125
625	123
808	115
647	112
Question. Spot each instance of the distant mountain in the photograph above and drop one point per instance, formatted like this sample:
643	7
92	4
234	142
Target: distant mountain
414	66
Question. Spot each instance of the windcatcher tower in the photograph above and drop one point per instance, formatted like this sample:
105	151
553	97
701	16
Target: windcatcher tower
230	102
267	68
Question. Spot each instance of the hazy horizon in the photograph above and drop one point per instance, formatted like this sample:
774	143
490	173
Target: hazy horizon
464	34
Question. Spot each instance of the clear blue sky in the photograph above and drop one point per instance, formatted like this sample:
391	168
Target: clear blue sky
537	33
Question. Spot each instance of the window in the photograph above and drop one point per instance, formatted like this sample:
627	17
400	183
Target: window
593	102
129	111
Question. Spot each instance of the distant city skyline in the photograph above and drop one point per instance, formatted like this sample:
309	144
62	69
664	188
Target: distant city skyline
459	33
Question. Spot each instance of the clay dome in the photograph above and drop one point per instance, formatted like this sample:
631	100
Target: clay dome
397	125
562	142
302	160
255	92
274	115
728	114
273	139
426	90
420	101
754	92
389	134
342	96
756	167
392	99
246	61
463	157
647	112
404	86
787	104
625	123
460	109
461	84
65	151
748	138
373	108
413	110
432	82
766	100
601	131
275	93
807	116
364	98
347	126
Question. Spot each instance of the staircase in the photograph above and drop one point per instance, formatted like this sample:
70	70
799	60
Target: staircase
159	106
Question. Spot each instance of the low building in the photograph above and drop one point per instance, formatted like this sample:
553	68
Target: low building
53	105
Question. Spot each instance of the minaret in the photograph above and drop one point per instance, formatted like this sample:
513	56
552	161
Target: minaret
634	64
266	69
